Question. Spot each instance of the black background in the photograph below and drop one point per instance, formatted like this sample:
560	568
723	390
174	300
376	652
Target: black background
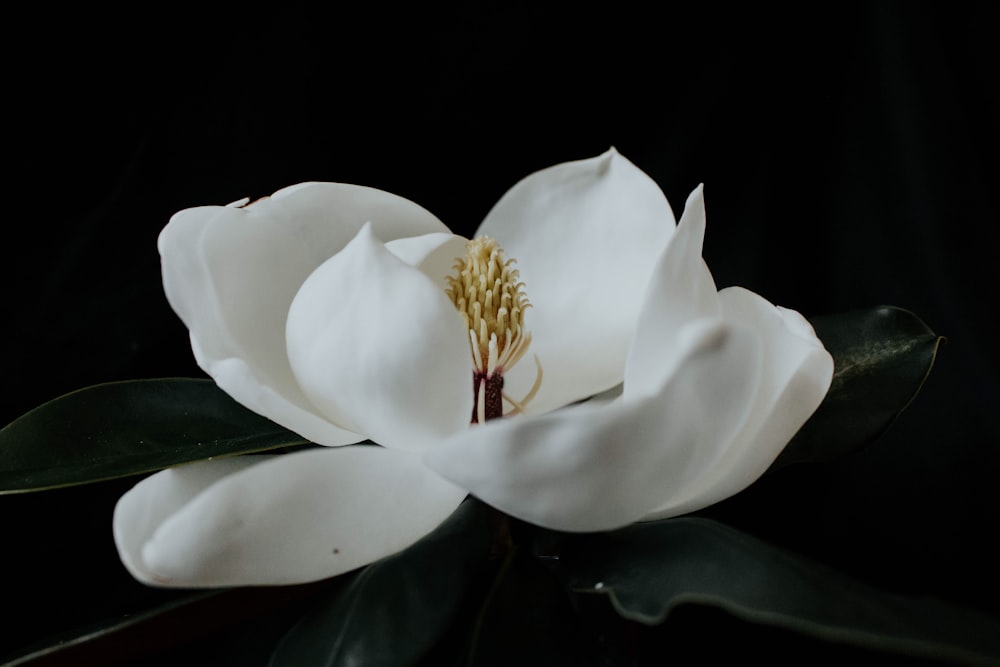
848	151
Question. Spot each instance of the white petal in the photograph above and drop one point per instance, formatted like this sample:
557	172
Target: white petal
153	500
239	380
598	467
433	254
291	519
377	346
796	375
585	236
681	290
231	273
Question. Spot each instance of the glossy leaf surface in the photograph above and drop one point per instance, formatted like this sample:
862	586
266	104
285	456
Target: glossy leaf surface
125	428
647	570
881	358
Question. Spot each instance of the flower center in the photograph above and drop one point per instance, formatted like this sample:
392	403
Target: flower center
486	291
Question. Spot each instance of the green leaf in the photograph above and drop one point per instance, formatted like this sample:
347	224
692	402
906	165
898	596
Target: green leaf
125	428
396	610
648	569
881	359
527	619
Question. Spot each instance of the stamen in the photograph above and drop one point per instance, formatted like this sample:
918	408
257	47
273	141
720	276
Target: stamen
477	355
486	290
491	365
481	401
519	405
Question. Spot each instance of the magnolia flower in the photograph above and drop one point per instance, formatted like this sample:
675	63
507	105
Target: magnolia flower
345	313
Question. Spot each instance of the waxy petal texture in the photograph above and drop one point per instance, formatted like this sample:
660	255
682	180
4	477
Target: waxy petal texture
153	500
680	291
599	467
377	347
797	372
433	254
231	273
289	519
796	368
585	235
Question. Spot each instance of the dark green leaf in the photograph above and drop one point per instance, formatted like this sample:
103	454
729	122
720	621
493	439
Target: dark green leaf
527	620
881	358
648	569
124	428
394	611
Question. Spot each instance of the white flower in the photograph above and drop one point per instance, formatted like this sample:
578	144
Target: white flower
325	308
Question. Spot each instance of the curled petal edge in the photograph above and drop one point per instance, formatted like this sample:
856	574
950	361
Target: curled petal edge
284	520
599	467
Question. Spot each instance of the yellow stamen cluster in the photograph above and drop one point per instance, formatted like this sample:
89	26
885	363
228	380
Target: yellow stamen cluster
486	291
